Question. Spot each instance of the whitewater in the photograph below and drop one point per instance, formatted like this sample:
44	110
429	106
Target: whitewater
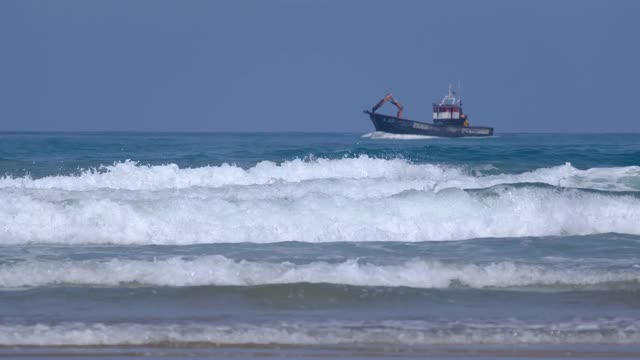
259	240
217	270
350	199
402	175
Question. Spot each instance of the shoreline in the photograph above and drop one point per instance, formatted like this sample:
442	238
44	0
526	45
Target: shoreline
195	351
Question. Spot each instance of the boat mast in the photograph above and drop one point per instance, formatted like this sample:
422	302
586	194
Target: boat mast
450	98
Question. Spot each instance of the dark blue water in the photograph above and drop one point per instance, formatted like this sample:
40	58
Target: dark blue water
319	239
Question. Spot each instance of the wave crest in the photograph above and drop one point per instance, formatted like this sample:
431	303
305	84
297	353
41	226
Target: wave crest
218	270
354	199
413	333
129	175
199	217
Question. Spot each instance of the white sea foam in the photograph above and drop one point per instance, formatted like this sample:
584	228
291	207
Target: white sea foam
131	176
352	199
128	175
216	216
413	333
390	136
220	271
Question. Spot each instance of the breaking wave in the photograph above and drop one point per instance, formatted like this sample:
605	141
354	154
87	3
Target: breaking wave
199	216
412	333
351	199
129	175
217	270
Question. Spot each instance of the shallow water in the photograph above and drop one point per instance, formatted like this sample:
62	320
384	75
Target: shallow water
154	240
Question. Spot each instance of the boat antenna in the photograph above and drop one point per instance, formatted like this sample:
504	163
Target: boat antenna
453	95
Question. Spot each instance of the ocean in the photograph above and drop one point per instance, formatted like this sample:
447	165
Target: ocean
319	245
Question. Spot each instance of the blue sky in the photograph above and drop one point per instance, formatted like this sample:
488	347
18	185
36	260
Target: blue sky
534	66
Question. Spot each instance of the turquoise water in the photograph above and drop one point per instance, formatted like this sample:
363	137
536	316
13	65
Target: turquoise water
319	239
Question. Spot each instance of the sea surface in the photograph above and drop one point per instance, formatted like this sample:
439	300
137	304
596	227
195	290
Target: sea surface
353	245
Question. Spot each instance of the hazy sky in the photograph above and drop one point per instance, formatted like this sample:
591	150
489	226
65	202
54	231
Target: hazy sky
315	65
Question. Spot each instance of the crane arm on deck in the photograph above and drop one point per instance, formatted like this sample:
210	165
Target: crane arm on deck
388	97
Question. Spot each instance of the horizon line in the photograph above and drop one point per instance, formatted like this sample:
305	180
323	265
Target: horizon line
266	132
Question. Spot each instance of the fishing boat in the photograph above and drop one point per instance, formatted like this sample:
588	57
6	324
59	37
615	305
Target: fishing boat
448	120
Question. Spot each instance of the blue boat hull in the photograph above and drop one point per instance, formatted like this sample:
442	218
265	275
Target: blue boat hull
395	125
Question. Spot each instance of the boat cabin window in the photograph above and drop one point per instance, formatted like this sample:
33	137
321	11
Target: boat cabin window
446	111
